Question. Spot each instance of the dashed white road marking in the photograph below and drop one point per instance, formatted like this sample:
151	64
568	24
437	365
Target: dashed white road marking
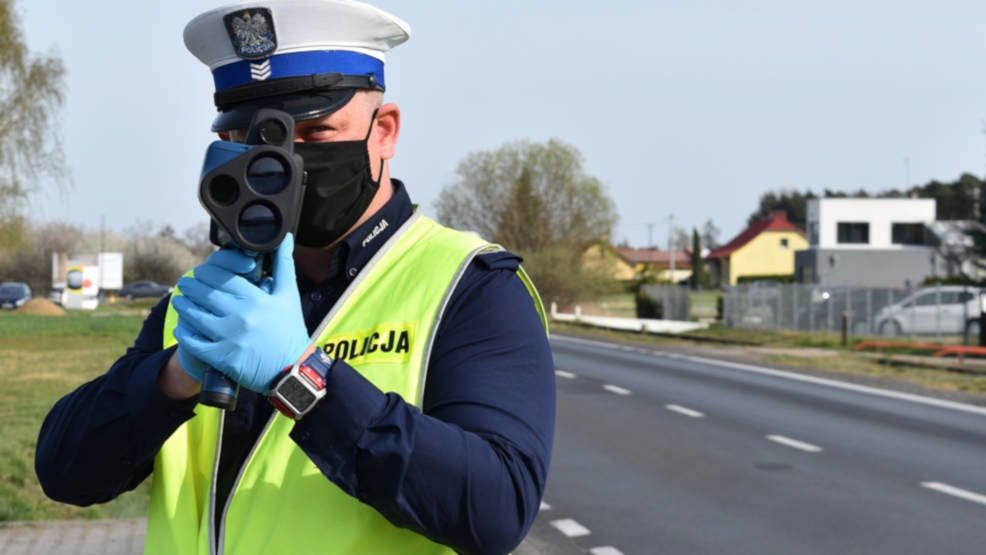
957	492
570	528
684	410
616	389
964	407
544	506
605	550
795	443
564	374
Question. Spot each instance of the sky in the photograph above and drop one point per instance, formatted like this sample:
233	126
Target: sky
684	108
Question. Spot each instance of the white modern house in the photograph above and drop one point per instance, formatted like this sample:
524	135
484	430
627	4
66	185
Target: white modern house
873	242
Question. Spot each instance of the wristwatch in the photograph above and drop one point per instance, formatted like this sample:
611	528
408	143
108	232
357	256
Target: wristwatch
300	387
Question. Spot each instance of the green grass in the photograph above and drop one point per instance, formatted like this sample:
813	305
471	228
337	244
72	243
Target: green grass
850	363
616	304
41	359
779	338
125	307
704	304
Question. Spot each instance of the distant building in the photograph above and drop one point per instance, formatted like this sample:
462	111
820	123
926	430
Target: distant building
625	263
601	255
765	249
871	242
658	263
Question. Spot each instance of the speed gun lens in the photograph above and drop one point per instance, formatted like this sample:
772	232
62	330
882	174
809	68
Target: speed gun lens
268	175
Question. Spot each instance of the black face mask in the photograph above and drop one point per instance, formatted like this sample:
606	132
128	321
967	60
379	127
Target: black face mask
339	188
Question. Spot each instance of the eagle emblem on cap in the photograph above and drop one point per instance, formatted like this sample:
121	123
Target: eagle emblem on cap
251	32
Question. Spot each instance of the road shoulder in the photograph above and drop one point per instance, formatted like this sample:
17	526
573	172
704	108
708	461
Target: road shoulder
773	358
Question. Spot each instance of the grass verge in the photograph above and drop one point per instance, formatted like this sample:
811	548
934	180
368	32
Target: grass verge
775	348
41	359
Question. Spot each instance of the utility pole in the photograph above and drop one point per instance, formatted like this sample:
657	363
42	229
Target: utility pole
650	235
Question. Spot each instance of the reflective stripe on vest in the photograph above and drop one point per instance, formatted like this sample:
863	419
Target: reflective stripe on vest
384	327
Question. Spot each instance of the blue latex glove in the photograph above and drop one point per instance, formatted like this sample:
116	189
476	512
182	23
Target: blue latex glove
247	332
233	261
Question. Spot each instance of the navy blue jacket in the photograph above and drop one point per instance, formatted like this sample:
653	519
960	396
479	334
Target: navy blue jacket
468	470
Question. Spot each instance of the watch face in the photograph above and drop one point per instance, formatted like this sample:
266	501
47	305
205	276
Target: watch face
295	393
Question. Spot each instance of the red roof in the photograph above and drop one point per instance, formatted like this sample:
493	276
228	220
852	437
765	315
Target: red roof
776	222
653	256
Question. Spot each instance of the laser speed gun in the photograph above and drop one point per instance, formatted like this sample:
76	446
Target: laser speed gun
253	192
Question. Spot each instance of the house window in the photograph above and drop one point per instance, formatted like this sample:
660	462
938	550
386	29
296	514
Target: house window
783	243
813	232
854	232
907	234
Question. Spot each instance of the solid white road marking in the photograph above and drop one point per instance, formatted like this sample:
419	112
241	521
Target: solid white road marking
544	506
570	528
605	550
795	443
684	410
957	492
564	374
616	389
812	379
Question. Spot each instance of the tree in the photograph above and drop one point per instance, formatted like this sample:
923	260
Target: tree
699	278
794	203
710	235
156	255
537	200
31	262
679	239
954	201
31	94
196	240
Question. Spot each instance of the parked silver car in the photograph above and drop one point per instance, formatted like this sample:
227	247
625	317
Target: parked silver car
948	309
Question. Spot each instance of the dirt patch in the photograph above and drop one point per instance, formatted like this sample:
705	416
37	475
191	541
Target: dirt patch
41	306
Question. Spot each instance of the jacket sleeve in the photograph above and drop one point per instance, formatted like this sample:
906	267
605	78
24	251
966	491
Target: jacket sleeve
100	440
469	471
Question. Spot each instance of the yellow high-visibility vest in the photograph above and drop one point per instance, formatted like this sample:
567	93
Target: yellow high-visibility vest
384	326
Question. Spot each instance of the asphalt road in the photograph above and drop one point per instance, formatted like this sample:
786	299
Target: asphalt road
664	453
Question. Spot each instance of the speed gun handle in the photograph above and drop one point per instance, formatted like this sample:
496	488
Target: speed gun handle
218	390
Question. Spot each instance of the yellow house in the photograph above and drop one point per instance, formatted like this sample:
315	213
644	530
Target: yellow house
627	264
602	256
766	248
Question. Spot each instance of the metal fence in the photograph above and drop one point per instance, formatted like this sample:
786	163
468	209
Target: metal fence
675	302
942	311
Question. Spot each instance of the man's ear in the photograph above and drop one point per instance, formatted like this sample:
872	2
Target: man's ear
224	135
387	129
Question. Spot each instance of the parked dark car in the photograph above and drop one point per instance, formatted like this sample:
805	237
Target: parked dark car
14	294
144	289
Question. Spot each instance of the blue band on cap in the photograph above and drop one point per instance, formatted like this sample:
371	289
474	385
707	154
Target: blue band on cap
297	64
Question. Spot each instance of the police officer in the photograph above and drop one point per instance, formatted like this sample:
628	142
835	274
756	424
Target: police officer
408	362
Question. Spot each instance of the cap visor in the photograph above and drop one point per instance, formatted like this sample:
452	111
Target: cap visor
301	107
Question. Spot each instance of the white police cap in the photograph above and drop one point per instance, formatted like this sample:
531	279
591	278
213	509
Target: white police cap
307	57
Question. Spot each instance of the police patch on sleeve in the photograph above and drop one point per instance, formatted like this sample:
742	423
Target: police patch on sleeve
251	32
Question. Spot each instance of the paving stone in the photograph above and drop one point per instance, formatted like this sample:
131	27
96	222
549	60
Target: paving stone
73	537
